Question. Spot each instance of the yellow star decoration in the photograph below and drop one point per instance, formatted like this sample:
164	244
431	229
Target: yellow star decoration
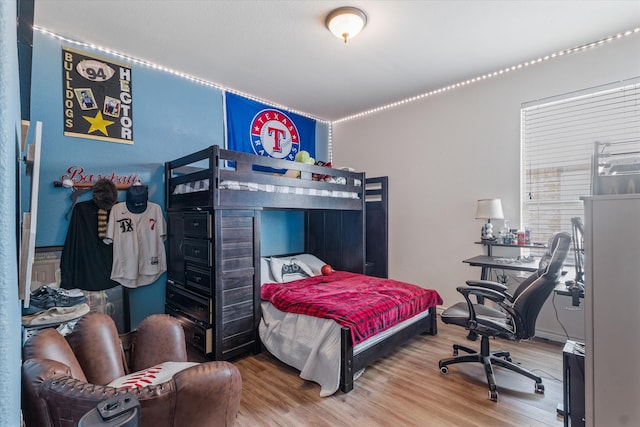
98	123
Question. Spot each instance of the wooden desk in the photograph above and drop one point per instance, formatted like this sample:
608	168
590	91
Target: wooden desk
490	262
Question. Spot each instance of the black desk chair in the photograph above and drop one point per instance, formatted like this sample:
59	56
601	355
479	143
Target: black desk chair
514	318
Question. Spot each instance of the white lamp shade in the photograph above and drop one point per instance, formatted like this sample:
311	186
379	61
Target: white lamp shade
346	22
489	209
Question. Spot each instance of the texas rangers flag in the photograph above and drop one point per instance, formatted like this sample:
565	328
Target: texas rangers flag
253	127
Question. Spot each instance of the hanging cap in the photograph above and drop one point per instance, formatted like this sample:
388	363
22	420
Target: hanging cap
137	196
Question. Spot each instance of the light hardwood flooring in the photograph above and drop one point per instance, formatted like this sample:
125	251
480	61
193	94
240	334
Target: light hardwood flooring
407	389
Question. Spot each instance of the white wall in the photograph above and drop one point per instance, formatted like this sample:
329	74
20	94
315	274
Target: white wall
446	151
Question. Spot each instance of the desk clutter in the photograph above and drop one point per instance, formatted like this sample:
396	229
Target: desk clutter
514	236
520	259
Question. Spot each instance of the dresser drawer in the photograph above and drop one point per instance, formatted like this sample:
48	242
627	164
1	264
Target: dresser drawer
198	280
196	335
196	250
189	303
197	225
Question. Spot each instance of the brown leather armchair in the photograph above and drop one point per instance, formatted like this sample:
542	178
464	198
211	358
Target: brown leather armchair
63	378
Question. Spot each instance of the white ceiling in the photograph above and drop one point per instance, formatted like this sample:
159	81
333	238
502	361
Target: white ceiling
281	52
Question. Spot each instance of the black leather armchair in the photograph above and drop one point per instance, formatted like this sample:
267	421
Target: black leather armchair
511	317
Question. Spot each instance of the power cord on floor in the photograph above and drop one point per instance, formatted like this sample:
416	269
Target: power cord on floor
547	375
553	303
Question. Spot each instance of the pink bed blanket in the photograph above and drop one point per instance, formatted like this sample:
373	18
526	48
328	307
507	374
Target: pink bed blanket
366	305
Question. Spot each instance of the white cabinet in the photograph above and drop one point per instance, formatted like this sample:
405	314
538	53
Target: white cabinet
612	310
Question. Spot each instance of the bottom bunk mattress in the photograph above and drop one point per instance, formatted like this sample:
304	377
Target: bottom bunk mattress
312	345
302	319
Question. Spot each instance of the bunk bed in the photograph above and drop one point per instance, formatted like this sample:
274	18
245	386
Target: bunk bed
214	199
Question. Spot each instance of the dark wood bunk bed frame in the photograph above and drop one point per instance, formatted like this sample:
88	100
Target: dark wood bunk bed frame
213	275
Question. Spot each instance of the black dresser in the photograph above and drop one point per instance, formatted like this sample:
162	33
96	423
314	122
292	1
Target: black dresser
213	279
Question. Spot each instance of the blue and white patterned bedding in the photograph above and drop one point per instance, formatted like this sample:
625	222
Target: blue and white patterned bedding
203	185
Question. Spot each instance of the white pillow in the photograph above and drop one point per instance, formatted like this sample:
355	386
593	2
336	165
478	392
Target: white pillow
151	376
265	271
313	262
289	269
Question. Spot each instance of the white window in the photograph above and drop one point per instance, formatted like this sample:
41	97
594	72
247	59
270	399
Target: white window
559	136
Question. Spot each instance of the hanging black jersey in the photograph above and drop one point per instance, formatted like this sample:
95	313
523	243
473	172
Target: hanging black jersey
86	260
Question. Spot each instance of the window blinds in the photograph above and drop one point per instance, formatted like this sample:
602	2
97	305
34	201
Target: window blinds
558	140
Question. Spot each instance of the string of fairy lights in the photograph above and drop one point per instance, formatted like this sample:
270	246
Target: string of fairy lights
152	65
505	70
438	91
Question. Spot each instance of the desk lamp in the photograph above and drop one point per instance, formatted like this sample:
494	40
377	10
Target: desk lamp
489	209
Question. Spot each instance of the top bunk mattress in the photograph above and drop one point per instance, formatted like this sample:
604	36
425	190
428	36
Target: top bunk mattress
203	185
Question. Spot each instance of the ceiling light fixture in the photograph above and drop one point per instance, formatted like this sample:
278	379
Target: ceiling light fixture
346	22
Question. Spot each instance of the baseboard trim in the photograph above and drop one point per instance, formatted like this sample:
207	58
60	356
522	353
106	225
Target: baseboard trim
551	336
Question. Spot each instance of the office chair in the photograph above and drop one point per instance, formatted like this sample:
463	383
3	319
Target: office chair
513	317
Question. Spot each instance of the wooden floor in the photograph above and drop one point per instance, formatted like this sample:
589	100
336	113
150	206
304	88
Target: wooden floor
407	389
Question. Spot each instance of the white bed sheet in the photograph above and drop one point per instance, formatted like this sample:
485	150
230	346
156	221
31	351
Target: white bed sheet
311	344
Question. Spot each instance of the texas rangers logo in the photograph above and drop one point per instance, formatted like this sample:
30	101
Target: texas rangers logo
273	134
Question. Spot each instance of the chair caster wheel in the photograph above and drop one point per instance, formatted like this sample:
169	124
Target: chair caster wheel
444	370
539	388
493	395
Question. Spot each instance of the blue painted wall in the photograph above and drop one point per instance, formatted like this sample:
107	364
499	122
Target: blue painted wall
282	232
9	149
172	117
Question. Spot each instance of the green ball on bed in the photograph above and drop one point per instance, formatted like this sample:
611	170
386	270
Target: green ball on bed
304	157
